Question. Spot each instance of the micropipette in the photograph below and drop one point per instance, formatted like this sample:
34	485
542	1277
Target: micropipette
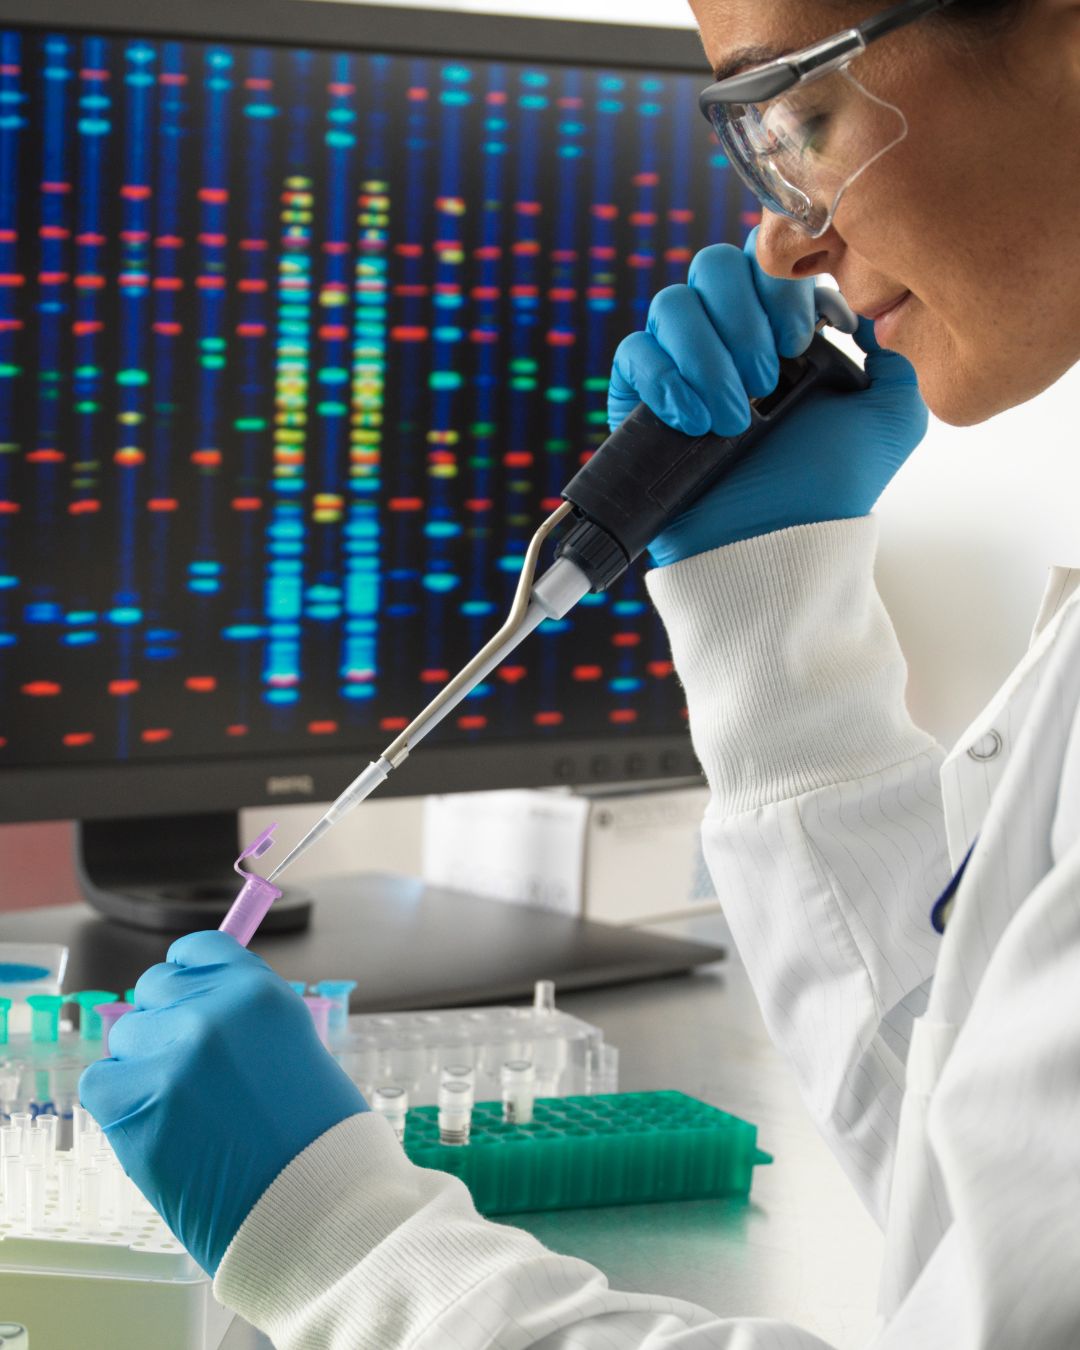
642	477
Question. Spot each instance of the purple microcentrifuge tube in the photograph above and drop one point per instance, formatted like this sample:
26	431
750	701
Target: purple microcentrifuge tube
110	1014
249	908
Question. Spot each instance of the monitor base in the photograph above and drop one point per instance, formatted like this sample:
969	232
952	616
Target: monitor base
170	874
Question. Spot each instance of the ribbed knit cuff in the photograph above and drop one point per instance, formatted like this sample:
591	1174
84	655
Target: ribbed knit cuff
794	677
294	1268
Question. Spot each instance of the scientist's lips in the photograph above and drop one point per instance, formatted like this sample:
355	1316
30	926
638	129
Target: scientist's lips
885	315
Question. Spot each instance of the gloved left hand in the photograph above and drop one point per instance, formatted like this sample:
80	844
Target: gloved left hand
216	1082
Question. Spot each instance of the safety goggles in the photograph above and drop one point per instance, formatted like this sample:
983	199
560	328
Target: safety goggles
800	129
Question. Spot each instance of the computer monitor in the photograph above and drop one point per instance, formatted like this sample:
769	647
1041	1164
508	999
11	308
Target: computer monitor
307	313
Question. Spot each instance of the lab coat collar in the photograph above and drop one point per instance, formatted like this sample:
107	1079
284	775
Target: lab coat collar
1062	588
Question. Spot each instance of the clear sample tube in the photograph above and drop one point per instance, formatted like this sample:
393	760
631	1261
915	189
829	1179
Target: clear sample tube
49	1126
35	1198
20	1120
125	1200
34	1143
319	1008
455	1111
609	1069
67	1172
458	1073
518	1091
79	1117
10	1141
14	1189
10	1075
102	1162
393	1103
90	1200
405	1060
544	996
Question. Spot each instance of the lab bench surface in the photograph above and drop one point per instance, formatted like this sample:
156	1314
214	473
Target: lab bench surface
802	1250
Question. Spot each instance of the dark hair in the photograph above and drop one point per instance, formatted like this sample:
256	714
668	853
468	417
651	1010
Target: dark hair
970	20
982	11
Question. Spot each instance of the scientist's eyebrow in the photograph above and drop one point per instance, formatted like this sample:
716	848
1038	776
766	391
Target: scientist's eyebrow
746	57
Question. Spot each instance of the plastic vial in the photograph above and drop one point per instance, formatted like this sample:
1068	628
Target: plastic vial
10	1141
458	1073
35	1198
67	1173
48	1125
21	1120
103	1164
90	1200
518	1091
34	1145
393	1103
544	996
124	1200
14	1189
455	1111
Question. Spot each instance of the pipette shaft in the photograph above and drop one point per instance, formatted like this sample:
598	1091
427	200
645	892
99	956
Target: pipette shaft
557	591
641	478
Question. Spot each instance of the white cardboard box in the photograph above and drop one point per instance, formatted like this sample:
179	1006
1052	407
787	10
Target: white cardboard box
627	857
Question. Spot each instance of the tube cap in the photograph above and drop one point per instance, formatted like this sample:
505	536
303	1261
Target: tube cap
89	1021
45	1018
249	908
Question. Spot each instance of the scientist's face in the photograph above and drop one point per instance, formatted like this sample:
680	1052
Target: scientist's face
976	215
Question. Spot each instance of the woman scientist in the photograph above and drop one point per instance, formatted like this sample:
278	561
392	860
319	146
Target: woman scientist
910	921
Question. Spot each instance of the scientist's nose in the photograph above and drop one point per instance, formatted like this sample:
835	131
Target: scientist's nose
783	250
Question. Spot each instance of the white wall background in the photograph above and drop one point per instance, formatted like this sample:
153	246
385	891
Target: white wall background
968	530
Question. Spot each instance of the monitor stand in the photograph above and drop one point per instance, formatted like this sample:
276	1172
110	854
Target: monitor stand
171	874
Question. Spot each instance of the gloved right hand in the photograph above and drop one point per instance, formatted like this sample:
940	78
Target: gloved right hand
714	344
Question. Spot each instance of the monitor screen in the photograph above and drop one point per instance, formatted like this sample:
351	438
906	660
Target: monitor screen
297	348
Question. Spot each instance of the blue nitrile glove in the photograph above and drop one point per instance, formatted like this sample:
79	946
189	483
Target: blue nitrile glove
712	345
217	1081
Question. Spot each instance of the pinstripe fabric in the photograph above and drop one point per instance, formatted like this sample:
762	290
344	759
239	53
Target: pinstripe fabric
944	1072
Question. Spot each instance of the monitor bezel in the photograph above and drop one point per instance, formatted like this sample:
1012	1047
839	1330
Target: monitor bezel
326	23
101	791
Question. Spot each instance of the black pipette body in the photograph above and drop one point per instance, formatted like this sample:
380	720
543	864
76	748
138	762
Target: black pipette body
645	474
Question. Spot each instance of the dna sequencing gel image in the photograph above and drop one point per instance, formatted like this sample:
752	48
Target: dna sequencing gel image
296	350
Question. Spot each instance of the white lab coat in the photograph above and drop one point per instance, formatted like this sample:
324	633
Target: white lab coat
944	1072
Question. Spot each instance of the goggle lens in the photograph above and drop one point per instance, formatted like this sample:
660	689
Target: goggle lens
799	152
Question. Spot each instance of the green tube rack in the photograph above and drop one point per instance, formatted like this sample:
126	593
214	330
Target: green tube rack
625	1148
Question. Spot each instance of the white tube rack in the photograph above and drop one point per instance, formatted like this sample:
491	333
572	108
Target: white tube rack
85	1261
